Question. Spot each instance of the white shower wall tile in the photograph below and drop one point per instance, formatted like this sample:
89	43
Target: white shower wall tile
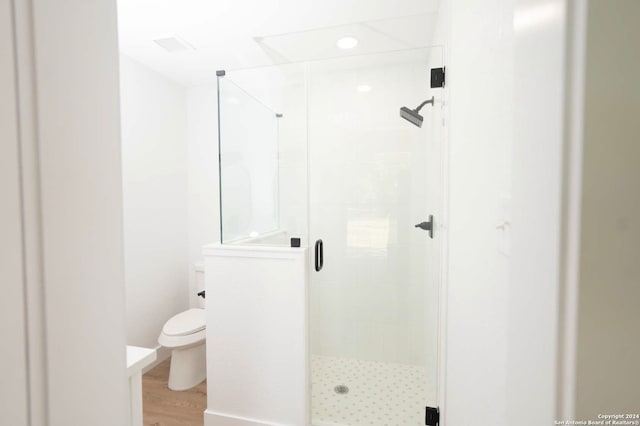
380	394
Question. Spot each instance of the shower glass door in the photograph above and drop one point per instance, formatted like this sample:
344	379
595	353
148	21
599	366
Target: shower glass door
372	177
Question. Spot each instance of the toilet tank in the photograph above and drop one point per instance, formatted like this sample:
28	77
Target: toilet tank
197	280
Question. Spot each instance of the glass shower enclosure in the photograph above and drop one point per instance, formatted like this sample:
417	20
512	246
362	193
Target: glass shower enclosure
317	150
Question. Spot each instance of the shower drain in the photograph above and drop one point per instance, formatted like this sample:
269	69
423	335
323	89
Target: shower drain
341	389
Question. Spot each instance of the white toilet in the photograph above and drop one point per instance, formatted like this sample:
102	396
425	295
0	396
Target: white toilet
185	333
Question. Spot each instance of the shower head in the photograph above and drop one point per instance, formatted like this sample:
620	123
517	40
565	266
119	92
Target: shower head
412	115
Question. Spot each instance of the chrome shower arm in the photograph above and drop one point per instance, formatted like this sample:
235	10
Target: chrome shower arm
428	101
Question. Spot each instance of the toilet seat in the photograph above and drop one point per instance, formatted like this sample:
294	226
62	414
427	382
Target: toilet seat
183	342
184	323
184	329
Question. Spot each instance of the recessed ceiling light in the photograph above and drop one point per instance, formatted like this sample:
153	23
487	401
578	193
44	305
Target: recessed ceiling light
363	88
347	42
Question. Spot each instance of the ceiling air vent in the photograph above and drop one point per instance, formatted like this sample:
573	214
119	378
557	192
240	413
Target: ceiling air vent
173	44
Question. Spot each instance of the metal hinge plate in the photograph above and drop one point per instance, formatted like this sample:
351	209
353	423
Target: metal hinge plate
432	416
437	77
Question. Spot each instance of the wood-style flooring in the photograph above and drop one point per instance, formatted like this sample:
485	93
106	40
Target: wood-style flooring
164	407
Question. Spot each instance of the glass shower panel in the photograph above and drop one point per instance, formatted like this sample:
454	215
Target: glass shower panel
318	150
263	155
248	164
373	177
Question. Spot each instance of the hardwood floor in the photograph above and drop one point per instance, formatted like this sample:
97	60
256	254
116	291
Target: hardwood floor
164	407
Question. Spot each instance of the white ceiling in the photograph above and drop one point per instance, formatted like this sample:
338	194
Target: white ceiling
232	34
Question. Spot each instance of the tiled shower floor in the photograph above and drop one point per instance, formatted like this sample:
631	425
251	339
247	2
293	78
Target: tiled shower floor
379	394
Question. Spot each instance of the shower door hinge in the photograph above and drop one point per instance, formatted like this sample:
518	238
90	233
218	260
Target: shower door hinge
432	416
437	77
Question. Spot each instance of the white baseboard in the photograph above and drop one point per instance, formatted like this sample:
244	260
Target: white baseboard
212	418
162	354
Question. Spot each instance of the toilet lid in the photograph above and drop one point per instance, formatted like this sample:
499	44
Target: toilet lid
187	322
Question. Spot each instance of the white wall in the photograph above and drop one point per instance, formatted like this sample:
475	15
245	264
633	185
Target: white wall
257	321
541	33
607	369
13	369
506	84
480	83
72	196
154	169
203	189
